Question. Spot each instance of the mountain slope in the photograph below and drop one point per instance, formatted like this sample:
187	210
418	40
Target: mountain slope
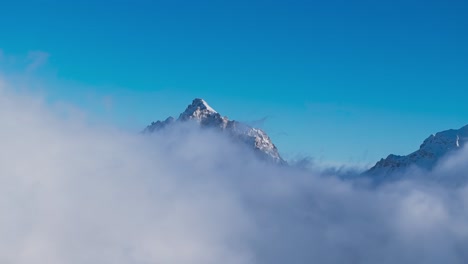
200	112
426	157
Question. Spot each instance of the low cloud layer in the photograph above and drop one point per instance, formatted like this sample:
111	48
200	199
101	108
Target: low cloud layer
76	193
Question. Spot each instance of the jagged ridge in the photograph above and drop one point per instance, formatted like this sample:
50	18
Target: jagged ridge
426	157
200	112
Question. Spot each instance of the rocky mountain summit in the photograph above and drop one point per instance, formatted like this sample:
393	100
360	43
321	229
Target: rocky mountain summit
200	112
429	153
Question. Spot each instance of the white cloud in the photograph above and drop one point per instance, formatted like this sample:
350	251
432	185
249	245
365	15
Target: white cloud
75	193
36	59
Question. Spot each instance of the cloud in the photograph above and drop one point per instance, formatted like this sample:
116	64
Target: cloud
259	122
23	64
79	193
108	102
36	59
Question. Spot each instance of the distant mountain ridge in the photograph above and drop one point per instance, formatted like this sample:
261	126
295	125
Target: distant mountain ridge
431	151
426	157
200	112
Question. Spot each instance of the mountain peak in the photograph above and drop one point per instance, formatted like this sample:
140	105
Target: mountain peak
201	104
198	109
203	114
435	147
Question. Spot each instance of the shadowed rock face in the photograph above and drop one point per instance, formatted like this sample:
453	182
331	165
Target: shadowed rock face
426	157
200	112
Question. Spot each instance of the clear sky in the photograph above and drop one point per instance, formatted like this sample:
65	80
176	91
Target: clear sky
341	81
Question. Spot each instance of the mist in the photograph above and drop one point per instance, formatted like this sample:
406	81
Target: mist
75	192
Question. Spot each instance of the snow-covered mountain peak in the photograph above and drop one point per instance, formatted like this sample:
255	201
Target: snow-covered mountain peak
429	153
200	112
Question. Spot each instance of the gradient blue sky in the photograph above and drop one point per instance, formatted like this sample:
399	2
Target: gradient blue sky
341	81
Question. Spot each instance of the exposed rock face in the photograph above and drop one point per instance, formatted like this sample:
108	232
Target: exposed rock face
200	112
430	152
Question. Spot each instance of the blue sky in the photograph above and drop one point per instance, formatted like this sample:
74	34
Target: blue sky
341	81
